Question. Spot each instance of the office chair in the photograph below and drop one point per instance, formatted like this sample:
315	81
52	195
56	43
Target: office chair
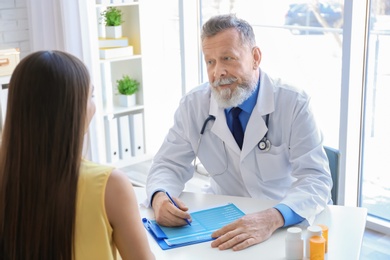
334	165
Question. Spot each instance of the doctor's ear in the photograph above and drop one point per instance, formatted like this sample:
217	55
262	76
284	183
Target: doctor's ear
256	57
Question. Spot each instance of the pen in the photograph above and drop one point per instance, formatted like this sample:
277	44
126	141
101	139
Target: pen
170	198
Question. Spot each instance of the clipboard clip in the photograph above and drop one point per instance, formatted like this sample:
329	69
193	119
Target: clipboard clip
154	228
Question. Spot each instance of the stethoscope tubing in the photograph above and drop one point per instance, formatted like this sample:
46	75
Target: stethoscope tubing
264	144
210	117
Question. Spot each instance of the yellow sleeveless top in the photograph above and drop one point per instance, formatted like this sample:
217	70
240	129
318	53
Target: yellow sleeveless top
93	232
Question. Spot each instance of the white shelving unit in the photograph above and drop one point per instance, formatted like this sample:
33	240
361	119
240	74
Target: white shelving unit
4	80
119	138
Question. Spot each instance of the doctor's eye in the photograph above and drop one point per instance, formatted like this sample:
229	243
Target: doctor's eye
209	62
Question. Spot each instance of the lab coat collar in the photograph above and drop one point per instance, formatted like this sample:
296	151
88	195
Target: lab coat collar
265	100
257	128
220	127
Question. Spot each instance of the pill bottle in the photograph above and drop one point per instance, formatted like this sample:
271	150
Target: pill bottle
325	235
310	232
294	243
317	248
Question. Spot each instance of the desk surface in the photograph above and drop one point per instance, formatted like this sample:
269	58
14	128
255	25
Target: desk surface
346	227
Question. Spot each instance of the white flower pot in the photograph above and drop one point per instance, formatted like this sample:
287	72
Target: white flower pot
127	100
114	31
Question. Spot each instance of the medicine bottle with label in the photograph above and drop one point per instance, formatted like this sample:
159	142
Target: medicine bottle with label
310	232
325	235
294	243
317	248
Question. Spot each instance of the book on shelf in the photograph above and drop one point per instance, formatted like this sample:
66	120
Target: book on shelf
113	42
137	134
112	142
110	53
124	137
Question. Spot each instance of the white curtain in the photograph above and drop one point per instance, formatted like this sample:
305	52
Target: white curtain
64	25
55	25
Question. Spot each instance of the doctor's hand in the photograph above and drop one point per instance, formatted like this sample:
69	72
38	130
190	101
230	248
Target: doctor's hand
167	214
249	230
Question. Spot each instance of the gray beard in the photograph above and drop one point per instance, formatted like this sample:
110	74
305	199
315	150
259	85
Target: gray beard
227	98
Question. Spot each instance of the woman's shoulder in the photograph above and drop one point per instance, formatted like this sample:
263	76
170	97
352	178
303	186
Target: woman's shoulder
93	167
118	176
92	173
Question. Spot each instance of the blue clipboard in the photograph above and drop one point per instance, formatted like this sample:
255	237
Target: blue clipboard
204	223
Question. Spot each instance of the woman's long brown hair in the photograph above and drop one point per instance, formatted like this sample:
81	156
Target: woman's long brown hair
40	156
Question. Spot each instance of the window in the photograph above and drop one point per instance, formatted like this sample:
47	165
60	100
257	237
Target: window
301	43
375	188
323	47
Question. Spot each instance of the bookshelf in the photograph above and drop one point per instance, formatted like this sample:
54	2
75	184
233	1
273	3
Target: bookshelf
119	138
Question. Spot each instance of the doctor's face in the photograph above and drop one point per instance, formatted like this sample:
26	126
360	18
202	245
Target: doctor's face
232	67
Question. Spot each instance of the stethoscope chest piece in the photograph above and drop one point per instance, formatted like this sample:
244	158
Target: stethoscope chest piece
264	144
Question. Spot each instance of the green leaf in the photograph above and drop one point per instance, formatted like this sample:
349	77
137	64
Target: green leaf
112	16
127	85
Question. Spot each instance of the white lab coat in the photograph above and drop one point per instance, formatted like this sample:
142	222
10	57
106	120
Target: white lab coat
294	171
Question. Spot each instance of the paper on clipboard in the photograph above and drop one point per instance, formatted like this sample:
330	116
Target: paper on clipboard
204	223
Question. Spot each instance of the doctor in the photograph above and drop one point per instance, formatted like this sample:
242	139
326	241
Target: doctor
281	156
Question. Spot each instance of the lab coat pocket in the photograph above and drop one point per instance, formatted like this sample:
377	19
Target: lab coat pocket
274	164
213	155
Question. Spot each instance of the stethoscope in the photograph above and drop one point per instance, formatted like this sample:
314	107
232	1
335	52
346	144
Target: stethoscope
264	145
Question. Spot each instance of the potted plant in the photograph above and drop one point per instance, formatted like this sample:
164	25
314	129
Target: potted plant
127	87
112	17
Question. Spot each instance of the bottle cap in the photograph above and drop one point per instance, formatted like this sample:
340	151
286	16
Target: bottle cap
314	231
323	227
294	232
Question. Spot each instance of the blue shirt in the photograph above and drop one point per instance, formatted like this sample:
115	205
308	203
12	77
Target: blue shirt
290	217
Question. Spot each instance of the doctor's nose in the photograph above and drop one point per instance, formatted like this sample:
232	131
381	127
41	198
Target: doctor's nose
219	71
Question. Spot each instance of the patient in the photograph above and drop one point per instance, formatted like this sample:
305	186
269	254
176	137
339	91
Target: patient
53	203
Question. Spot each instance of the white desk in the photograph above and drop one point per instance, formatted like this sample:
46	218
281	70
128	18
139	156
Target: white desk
346	227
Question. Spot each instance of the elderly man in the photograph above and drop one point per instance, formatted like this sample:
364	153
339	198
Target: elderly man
258	139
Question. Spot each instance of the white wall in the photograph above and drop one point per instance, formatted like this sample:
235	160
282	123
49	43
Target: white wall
14	29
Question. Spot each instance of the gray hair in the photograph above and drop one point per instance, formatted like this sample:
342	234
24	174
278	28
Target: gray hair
219	23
